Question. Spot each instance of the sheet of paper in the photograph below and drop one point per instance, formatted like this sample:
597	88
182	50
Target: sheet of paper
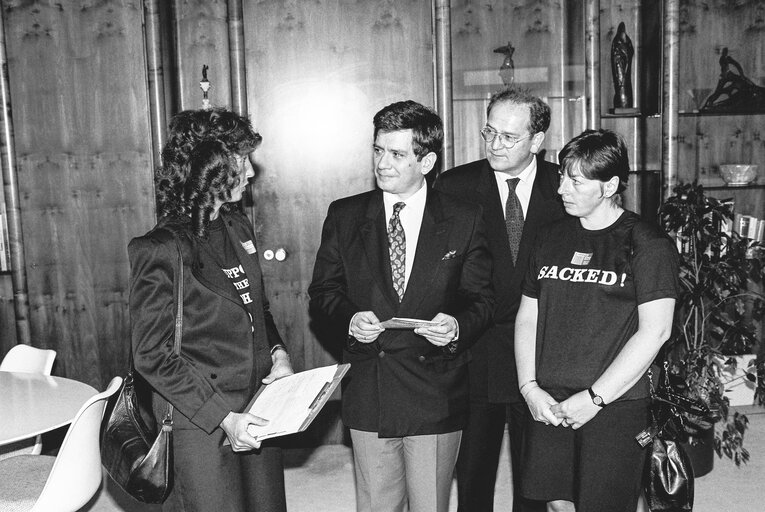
287	402
406	323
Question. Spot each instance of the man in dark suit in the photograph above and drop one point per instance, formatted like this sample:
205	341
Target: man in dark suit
514	210
404	250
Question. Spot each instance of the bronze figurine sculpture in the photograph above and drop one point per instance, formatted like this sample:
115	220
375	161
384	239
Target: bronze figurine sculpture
734	92
622	52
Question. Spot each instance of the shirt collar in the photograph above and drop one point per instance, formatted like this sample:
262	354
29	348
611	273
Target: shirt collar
415	201
527	175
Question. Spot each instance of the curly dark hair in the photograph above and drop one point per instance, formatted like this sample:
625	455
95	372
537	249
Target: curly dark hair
213	173
189	129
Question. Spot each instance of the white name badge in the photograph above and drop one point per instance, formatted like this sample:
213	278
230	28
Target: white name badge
249	247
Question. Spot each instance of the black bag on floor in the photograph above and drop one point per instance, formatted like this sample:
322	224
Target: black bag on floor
138	457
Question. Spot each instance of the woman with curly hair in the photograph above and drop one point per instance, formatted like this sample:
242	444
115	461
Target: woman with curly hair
230	343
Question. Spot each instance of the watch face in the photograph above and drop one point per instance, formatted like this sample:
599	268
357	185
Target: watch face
597	400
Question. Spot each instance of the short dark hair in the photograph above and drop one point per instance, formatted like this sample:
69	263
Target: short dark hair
600	155
427	128
188	129
539	111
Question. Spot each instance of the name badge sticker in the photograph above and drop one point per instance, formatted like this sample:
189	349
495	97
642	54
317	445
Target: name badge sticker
581	258
249	247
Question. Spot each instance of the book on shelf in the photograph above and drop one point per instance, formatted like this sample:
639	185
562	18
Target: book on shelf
748	226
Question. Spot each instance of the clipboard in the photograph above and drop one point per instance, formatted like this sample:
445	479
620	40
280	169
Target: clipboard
291	403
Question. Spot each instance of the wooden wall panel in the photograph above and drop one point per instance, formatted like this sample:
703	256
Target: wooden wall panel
317	72
201	39
85	172
548	39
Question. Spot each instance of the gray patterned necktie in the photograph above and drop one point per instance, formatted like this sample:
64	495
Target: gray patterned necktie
513	218
397	250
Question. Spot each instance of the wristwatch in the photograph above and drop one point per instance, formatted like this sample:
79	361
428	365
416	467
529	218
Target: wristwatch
596	399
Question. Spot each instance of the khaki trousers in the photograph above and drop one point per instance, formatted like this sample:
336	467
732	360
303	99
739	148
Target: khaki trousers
392	473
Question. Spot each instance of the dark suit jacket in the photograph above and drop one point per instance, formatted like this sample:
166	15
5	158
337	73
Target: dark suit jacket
401	384
224	355
493	373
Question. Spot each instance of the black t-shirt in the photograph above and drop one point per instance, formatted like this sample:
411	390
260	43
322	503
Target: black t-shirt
225	255
588	285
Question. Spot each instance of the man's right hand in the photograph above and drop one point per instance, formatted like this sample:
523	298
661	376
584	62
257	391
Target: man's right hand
365	327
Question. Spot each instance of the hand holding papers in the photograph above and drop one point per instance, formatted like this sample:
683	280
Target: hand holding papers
290	404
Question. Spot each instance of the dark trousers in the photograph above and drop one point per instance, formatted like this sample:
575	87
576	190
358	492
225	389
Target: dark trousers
479	456
212	478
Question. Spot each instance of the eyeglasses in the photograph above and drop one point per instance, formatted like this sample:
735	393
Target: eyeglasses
505	139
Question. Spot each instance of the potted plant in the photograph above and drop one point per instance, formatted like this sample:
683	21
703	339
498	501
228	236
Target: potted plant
720	305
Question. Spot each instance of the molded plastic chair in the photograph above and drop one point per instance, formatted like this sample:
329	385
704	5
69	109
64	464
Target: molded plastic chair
23	358
66	482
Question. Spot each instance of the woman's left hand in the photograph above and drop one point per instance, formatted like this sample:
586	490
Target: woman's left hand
576	410
281	366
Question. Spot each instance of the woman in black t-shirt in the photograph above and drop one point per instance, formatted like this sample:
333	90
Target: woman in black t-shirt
597	305
230	344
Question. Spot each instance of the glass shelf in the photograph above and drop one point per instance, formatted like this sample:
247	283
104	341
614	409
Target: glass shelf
734	187
696	113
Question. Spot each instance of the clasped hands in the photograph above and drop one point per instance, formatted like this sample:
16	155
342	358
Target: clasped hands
573	412
365	327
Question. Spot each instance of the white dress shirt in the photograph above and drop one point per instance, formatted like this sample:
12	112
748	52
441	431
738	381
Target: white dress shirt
411	221
522	190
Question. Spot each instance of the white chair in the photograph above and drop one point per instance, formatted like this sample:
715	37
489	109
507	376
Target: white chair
66	482
23	358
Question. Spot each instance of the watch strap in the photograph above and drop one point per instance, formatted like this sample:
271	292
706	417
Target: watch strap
596	399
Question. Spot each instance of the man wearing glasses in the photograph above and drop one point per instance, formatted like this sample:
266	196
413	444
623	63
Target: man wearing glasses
517	190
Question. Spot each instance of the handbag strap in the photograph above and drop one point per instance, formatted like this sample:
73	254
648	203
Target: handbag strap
178	281
178	330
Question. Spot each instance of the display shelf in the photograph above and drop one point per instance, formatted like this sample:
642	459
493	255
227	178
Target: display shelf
696	113
734	187
638	115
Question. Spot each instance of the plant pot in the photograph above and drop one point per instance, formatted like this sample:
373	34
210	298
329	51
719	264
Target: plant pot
738	389
701	452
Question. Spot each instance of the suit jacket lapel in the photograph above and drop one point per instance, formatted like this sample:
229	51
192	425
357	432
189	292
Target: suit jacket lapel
374	236
431	247
494	214
542	205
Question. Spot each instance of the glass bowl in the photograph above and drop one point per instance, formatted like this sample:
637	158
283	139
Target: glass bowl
737	175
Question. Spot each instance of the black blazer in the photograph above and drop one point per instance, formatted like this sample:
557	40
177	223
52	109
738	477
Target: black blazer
224	355
493	374
403	385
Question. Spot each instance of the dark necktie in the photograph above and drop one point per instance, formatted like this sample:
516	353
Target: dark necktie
513	218
397	250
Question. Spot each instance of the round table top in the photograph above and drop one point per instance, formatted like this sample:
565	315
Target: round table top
32	403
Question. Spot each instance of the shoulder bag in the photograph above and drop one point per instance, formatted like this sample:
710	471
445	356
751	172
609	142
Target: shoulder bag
668	476
138	457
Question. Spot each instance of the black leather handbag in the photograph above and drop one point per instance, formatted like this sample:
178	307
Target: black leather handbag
137	456
668	476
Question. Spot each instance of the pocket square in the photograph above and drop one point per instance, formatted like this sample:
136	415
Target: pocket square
449	255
